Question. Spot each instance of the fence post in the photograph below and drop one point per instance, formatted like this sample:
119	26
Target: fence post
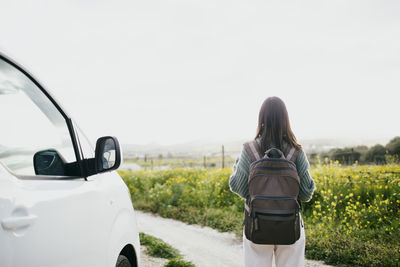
223	157
204	162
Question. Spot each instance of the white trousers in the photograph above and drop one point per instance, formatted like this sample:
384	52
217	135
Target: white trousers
256	255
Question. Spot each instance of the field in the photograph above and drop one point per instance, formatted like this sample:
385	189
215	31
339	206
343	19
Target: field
353	218
180	162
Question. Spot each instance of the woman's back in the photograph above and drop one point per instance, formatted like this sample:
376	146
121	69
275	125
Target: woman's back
273	131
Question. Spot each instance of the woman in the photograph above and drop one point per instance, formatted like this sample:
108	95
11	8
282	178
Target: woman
273	131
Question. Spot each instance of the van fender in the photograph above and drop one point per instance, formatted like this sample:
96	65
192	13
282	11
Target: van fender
124	232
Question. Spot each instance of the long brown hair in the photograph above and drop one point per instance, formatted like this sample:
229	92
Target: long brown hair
274	126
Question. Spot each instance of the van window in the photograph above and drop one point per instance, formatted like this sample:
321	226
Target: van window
29	123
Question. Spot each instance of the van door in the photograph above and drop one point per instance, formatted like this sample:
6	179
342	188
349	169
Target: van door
56	218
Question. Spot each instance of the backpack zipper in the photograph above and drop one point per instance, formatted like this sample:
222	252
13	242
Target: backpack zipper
273	159
275	168
275	214
277	198
263	174
256	223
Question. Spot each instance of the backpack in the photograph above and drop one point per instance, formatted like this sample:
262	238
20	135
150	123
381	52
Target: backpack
271	214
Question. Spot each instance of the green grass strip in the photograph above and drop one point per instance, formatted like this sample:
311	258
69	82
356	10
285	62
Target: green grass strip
179	263
156	247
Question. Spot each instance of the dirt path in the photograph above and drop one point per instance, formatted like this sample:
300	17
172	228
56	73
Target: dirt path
202	246
149	261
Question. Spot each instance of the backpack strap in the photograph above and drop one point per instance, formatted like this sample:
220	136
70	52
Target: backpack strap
253	150
291	153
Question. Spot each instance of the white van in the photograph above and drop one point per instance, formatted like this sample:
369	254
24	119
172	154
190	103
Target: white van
61	202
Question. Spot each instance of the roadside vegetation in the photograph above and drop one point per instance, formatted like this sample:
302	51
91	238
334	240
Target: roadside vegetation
353	218
155	247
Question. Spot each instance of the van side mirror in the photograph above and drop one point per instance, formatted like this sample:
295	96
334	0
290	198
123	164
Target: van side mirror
107	154
107	158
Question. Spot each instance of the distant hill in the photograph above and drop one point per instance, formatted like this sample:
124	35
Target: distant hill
190	149
201	148
325	144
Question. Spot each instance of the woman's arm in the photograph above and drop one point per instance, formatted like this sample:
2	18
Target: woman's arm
307	185
238	180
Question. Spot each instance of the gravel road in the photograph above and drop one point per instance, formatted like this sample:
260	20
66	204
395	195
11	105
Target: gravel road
149	261
202	246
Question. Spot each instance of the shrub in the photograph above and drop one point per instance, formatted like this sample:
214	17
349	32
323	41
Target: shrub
394	146
376	154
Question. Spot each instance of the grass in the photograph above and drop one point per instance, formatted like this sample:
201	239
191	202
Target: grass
337	248
179	263
156	247
352	219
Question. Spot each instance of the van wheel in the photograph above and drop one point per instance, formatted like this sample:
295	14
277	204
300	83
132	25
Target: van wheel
123	262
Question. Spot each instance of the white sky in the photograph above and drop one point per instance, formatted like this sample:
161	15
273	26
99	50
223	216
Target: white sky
171	71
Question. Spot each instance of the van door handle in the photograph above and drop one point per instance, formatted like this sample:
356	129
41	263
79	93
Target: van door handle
16	222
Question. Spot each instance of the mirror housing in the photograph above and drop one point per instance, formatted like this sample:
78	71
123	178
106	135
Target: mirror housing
107	154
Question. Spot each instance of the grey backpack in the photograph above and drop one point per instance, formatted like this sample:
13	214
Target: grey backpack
271	213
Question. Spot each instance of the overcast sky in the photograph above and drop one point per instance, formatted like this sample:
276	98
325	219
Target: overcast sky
172	71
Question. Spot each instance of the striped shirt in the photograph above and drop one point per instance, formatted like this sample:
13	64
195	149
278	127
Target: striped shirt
238	181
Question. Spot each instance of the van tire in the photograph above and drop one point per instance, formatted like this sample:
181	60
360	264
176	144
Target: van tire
123	262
